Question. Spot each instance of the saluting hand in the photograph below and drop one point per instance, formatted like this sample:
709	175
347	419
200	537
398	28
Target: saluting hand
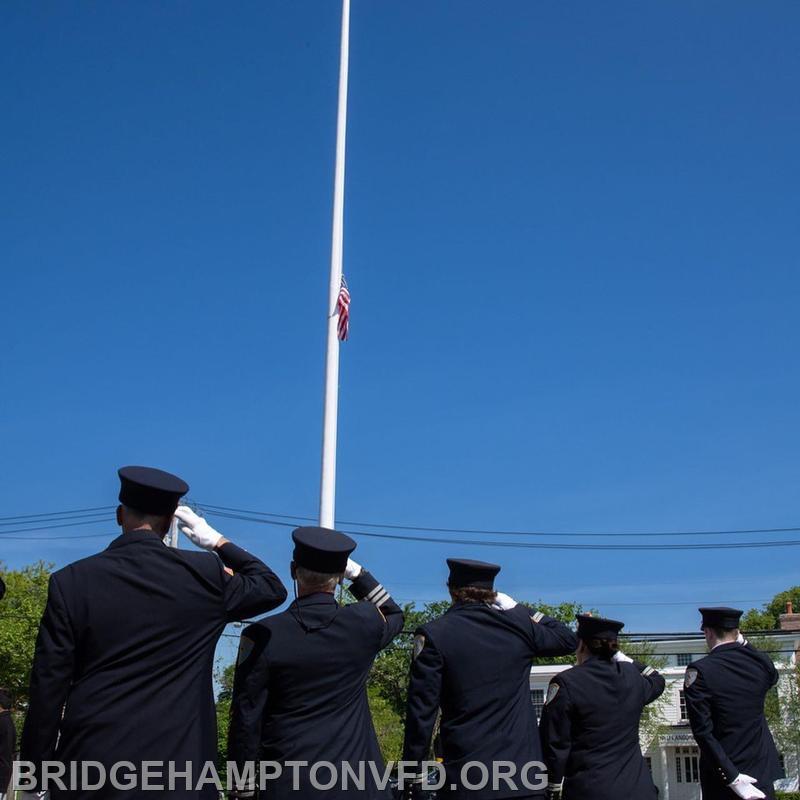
197	530
743	787
619	656
502	602
352	570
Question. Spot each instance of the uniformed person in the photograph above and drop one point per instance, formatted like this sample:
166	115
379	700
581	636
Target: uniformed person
474	664
590	722
725	694
125	649
8	743
300	688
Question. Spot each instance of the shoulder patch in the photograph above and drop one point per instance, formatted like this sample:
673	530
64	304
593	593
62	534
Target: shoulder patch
552	691
246	645
419	644
537	617
691	677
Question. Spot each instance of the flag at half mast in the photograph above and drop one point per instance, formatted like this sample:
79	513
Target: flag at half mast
343	307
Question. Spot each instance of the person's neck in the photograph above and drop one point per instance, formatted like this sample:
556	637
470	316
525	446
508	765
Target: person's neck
719	642
303	591
144	529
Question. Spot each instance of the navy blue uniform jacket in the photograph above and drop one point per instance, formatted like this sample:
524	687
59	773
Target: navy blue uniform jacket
590	730
474	663
300	690
725	694
126	649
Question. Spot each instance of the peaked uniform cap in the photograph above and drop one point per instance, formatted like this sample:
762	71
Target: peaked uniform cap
465	572
150	490
322	549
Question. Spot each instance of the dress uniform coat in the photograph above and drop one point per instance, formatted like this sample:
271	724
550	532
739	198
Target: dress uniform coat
474	663
590	730
126	649
300	690
8	745
725	694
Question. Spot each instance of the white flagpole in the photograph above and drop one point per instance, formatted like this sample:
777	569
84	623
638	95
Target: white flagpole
327	495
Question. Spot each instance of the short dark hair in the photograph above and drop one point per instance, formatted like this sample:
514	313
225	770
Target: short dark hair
722	633
472	594
5	698
158	522
603	648
324	581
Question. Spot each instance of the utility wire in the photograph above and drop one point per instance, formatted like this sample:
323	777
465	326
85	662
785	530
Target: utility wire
528	545
52	527
58	513
51	538
66	518
428	529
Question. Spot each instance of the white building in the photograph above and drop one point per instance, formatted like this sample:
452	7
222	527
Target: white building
673	756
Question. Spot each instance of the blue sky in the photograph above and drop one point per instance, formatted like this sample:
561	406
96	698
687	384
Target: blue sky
571	240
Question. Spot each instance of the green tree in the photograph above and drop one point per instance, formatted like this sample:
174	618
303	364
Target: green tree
388	725
20	612
224	676
767	618
654	717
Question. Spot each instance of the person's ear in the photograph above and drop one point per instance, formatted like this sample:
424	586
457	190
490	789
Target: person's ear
119	516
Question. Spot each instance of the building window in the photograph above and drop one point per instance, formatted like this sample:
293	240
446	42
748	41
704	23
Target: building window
682	703
687	765
537	698
684	659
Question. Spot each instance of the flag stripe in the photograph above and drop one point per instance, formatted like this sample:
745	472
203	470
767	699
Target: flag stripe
343	307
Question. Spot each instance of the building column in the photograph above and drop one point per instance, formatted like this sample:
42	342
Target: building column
665	770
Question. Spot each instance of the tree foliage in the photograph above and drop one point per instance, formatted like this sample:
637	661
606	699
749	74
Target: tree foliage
768	617
20	612
224	676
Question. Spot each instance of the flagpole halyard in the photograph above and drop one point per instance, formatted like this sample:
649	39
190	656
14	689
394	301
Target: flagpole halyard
327	500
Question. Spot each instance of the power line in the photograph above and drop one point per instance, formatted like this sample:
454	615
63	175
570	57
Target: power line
65	518
51	538
528	545
428	529
53	527
269	518
57	513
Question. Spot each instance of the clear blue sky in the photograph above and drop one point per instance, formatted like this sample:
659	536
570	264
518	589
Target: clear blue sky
571	240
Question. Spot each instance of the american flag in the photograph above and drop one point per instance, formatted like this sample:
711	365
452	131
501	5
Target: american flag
343	306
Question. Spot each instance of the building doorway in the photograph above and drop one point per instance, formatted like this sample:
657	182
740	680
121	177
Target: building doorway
684	773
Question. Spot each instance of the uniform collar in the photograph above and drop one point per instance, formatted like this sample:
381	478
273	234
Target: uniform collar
135	537
592	658
316	599
469	604
723	646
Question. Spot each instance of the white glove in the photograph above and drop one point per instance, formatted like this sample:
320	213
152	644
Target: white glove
352	570
502	602
743	787
197	530
619	656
